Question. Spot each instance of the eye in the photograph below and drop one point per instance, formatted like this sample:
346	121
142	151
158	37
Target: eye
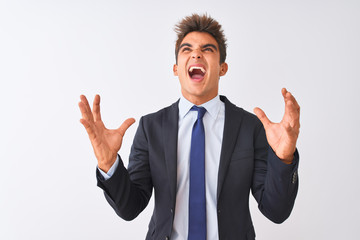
208	49
186	49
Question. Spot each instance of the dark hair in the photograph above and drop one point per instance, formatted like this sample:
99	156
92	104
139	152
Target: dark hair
203	23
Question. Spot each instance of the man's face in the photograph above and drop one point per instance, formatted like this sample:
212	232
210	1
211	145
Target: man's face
199	68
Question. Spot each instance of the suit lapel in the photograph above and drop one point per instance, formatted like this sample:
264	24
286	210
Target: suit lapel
233	117
170	136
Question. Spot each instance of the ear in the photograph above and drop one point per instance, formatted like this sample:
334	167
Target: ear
175	70
223	69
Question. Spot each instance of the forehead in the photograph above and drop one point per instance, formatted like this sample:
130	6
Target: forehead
199	38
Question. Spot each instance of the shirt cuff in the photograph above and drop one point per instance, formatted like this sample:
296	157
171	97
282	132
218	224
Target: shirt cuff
111	170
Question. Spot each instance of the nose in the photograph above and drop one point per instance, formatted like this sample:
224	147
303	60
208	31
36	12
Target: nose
196	54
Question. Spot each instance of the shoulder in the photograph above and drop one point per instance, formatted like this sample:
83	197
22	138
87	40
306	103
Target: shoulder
237	113
169	112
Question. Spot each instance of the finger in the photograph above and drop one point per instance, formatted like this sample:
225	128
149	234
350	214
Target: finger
96	108
88	128
289	97
84	100
86	108
292	136
262	116
126	124
283	92
292	109
84	111
292	114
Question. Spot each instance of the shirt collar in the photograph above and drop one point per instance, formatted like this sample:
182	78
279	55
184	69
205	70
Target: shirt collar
212	106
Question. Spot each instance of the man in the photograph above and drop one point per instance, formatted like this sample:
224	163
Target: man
203	160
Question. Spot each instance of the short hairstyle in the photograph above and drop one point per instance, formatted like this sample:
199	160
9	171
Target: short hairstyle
200	23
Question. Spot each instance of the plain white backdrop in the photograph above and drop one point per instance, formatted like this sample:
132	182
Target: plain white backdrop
53	51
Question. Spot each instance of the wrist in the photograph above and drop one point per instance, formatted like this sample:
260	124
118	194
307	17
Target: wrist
285	158
105	165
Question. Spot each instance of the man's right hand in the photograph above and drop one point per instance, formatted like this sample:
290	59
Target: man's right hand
106	142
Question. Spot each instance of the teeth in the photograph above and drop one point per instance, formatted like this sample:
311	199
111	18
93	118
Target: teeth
194	67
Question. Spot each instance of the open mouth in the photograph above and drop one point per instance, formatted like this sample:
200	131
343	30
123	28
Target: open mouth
197	72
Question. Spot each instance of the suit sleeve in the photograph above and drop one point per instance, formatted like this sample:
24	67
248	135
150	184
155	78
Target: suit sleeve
275	184
128	191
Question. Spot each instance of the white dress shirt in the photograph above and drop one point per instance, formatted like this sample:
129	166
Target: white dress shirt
213	120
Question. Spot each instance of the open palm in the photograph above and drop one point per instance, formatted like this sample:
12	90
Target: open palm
106	142
282	136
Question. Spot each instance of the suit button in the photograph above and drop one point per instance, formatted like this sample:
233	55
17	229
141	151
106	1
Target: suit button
171	210
294	178
167	238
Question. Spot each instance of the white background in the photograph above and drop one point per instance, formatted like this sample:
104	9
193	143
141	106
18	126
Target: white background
53	51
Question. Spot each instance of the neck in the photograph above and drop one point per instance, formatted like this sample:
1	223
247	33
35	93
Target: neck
198	100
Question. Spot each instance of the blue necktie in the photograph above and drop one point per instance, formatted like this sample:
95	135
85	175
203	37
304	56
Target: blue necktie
197	202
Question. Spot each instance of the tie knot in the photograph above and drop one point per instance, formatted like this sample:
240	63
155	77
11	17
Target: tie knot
201	111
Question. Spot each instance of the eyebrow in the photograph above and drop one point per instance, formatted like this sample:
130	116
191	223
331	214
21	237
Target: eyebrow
185	44
209	45
203	46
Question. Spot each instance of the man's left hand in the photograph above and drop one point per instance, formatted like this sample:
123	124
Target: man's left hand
282	136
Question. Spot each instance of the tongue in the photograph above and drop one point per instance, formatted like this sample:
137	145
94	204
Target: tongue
197	76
